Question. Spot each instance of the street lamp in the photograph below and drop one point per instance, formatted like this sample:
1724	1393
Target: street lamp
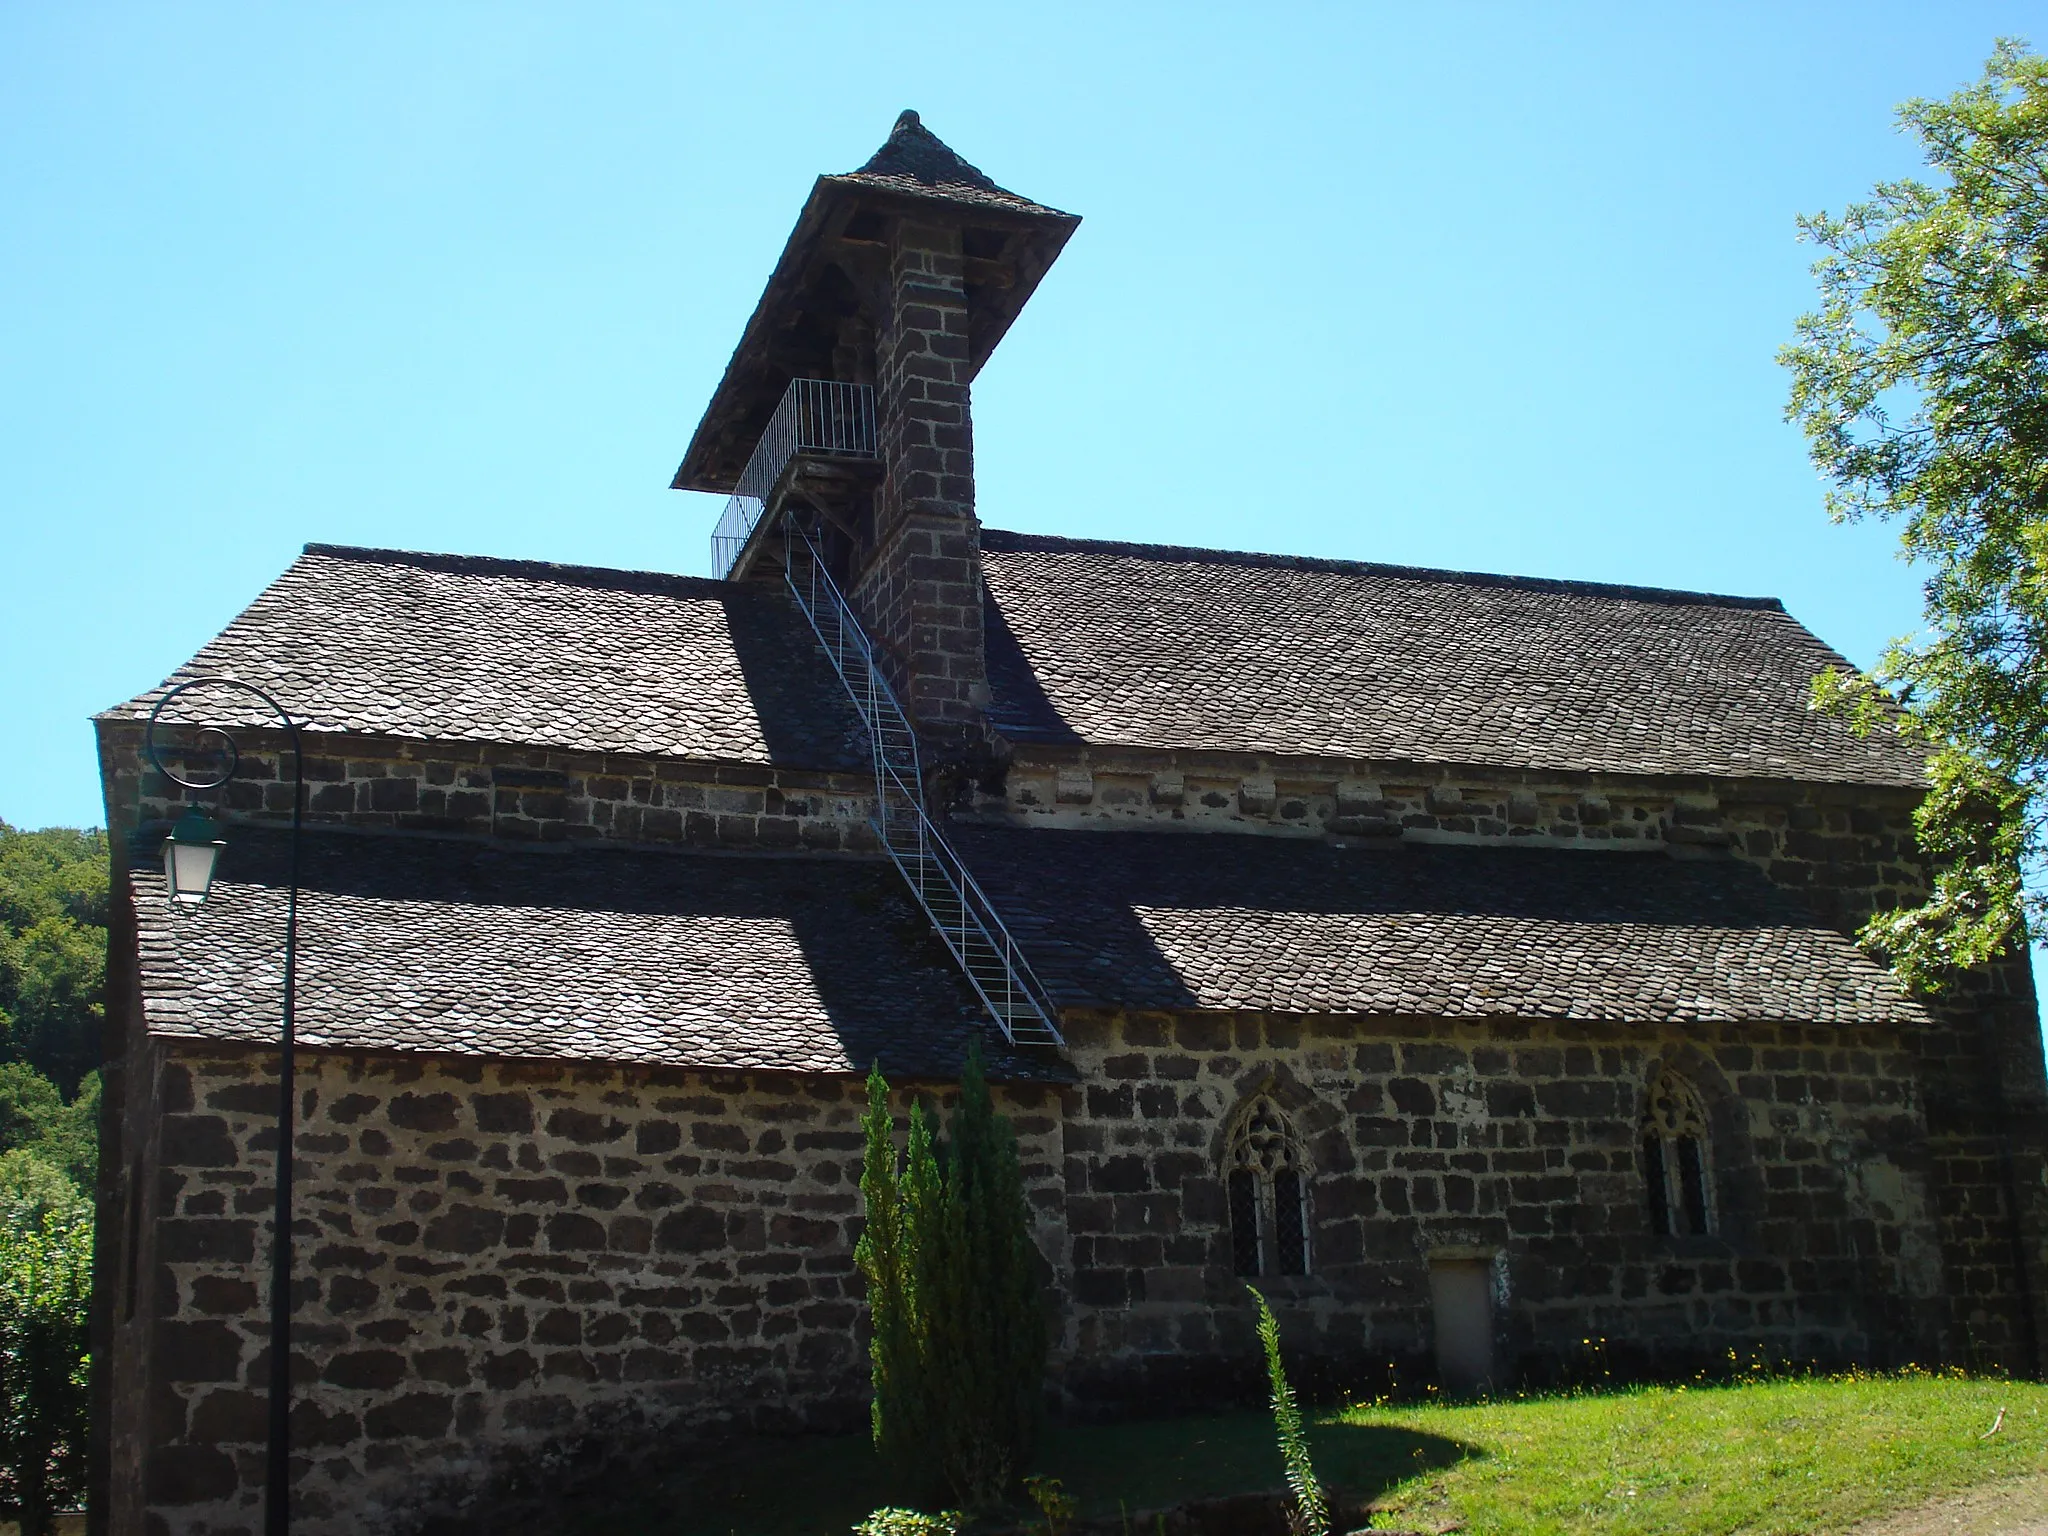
191	854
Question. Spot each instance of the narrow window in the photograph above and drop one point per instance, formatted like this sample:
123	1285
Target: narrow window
1268	1180
1675	1160
1244	1221
1290	1234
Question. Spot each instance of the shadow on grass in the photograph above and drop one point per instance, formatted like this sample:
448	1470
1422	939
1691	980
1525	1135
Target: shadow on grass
821	1487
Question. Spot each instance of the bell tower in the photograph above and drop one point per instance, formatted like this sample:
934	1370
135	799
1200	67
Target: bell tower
845	415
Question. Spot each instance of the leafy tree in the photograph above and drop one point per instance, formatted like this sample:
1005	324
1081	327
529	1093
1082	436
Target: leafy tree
45	1288
53	950
34	1117
959	1342
1921	383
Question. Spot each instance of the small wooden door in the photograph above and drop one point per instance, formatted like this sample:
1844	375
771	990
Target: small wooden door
1462	1293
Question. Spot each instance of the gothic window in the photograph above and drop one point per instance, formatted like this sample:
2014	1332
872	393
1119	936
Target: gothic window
1675	1159
1267	1175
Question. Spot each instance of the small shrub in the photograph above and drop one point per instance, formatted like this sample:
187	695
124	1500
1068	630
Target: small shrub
909	1522
1311	1513
1054	1502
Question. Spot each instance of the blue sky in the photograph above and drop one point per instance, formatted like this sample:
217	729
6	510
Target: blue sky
1483	286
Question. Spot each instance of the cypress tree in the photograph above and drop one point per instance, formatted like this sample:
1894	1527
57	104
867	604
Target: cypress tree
959	1343
879	1254
987	1325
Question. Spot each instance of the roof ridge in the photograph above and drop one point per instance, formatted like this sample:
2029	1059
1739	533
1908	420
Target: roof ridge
539	570
1003	540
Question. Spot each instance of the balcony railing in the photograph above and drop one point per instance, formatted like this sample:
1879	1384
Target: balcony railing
817	416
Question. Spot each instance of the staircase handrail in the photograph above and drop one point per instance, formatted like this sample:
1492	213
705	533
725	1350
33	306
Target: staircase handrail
870	693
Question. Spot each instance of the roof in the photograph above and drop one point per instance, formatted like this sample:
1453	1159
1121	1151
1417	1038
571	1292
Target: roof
466	649
1150	646
917	162
1229	921
675	959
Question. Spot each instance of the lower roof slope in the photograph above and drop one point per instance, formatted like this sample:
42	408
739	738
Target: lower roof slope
673	959
1221	921
468	649
1191	649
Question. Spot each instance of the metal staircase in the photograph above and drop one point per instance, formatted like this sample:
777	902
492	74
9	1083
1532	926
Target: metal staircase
958	909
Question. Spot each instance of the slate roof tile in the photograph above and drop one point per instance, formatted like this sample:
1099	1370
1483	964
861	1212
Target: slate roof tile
916	161
1188	649
1221	921
673	959
469	649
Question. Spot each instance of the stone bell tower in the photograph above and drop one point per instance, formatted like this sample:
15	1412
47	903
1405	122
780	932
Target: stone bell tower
846	411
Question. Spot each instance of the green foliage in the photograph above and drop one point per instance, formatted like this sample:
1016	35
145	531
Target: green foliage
34	1117
45	1287
1054	1502
959	1344
1311	1513
53	950
1921	384
883	1261
908	1522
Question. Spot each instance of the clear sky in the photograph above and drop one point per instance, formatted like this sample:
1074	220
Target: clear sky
1492	287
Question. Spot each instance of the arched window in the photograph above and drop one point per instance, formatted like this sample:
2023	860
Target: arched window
1675	1159
1268	1177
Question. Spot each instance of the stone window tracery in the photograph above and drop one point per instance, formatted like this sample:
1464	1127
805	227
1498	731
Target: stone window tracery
1267	1175
1675	1159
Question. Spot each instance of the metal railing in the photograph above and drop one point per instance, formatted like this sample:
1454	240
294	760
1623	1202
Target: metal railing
958	908
817	416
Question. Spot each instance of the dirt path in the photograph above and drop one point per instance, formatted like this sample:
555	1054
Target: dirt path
2018	1507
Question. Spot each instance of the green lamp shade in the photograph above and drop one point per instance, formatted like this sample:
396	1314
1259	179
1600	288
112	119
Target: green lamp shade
190	854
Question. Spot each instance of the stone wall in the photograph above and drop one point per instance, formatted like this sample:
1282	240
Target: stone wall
1848	851
1515	1142
499	1259
521	795
496	1262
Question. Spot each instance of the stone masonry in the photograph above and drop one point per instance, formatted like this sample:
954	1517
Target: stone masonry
1515	1140
519	794
919	591
1976	1075
498	1262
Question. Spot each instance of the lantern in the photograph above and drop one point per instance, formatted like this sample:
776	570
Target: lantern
190	855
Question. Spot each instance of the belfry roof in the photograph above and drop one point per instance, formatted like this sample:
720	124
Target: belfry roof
1218	921
1138	645
918	163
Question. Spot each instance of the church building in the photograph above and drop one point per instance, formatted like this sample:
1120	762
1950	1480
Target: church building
1468	960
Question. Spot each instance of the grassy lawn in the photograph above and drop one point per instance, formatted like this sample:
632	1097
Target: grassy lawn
1788	1457
1767	1457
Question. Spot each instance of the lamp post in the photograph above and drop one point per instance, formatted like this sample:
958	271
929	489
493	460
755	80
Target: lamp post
190	854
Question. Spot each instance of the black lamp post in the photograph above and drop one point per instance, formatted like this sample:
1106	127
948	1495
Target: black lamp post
190	854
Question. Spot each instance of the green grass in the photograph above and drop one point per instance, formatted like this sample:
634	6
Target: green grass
1765	1458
